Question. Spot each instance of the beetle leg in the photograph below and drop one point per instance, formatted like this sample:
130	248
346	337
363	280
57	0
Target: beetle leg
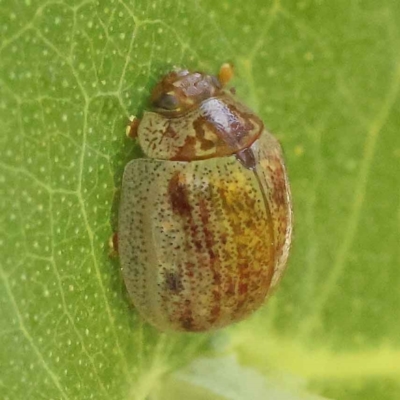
225	73
113	245
131	129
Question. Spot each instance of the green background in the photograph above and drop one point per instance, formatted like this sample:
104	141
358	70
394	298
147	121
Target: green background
324	76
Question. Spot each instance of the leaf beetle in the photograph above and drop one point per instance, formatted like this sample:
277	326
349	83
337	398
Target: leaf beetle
205	218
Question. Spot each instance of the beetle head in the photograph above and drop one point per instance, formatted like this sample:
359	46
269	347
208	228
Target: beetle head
181	90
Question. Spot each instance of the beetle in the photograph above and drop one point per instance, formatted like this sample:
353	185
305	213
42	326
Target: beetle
205	218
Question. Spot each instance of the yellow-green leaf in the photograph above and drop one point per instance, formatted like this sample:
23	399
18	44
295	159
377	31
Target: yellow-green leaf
324	76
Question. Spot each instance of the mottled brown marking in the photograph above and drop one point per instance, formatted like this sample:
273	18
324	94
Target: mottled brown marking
190	269
187	323
170	132
180	91
252	280
173	282
201	125
216	136
215	313
239	129
230	291
243	287
187	152
278	178
183	205
185	317
178	195
207	144
236	134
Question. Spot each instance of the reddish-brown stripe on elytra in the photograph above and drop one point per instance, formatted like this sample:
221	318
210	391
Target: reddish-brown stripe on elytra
245	280
255	261
233	280
214	264
183	199
180	204
271	234
178	195
186	318
278	179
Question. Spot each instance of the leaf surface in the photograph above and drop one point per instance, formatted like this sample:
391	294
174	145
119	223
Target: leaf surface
325	78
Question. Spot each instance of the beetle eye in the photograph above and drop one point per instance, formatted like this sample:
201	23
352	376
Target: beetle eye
167	102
